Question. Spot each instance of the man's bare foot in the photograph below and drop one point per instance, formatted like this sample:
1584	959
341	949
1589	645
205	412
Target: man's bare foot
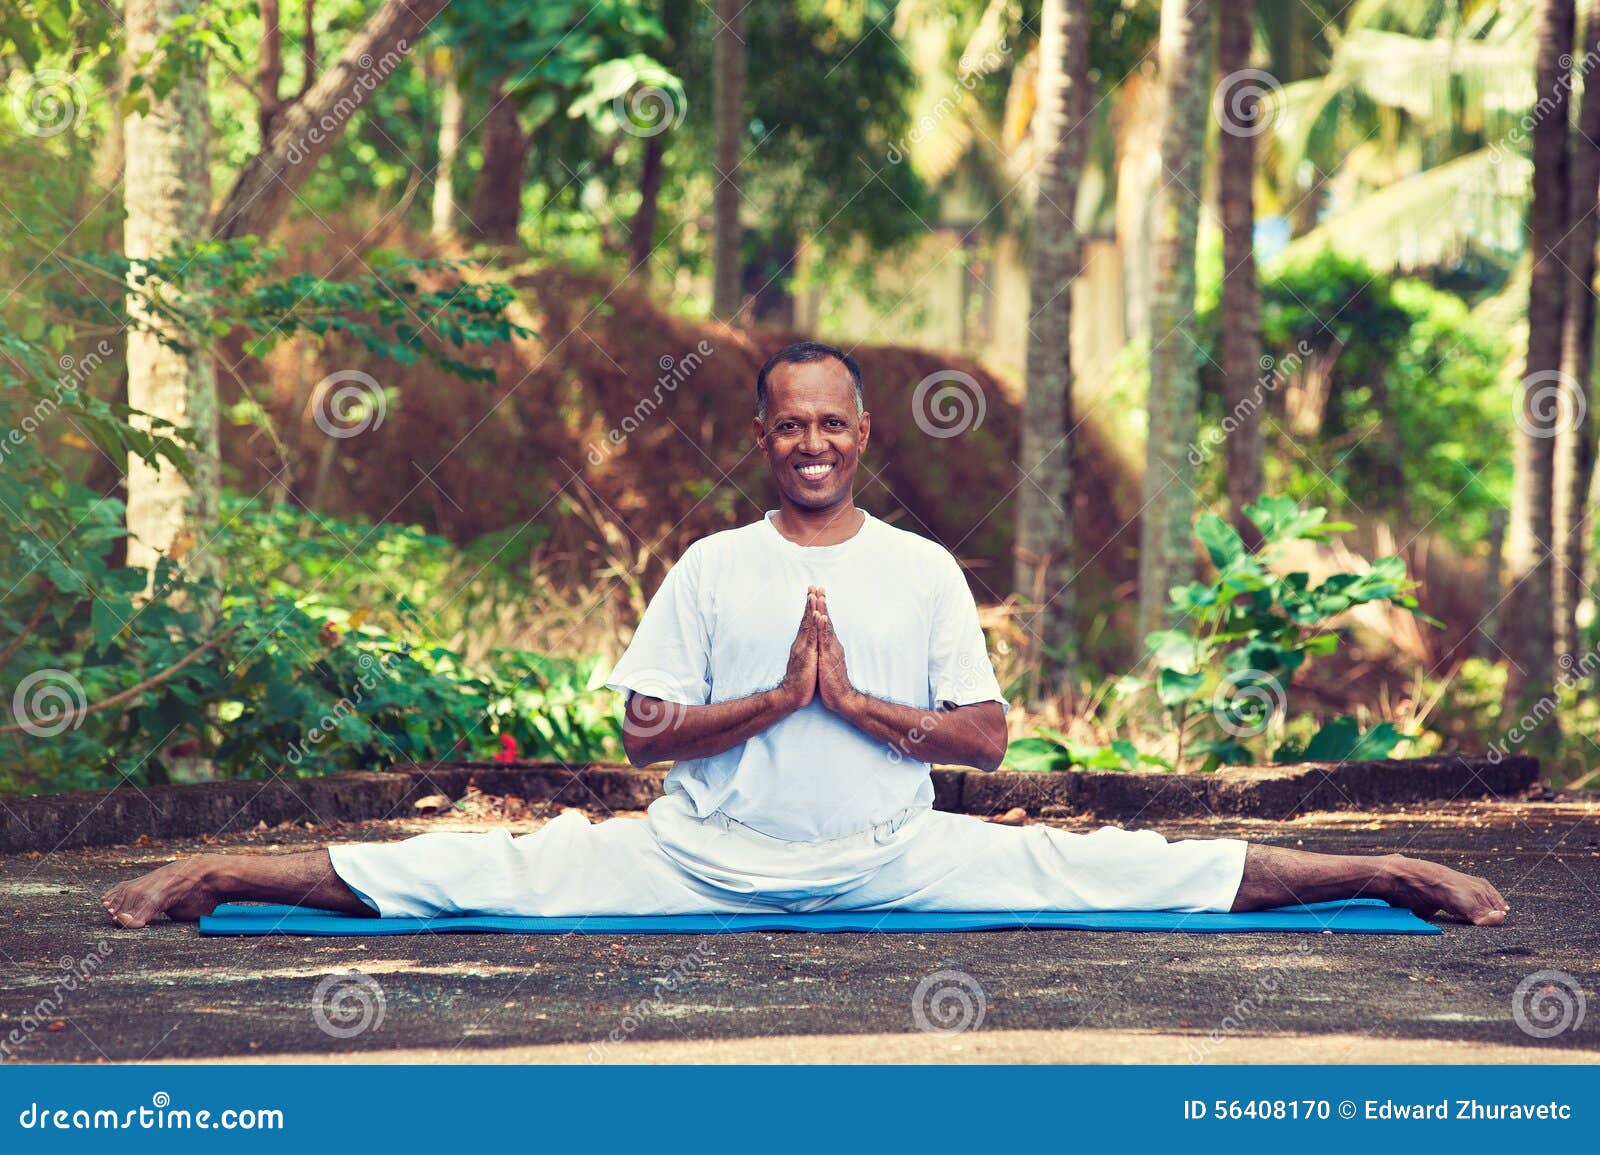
1427	888
182	890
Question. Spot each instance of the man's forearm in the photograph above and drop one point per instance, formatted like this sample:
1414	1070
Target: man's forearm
658	731
963	735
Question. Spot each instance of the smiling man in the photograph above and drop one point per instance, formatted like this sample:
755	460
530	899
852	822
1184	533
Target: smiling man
801	673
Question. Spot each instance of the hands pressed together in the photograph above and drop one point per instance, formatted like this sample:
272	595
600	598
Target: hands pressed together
816	659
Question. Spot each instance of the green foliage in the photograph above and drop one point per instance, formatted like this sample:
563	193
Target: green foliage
288	680
33	28
390	312
1053	750
1414	414
1343	740
104	680
1221	674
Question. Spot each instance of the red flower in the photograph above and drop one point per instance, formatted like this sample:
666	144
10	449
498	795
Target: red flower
508	749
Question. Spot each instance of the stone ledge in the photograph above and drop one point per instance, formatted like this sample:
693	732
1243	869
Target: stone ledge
109	817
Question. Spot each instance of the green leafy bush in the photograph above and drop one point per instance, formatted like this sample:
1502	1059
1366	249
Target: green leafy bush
1380	394
1221	676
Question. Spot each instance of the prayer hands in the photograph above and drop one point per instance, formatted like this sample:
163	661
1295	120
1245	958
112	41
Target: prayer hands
833	679
800	679
816	659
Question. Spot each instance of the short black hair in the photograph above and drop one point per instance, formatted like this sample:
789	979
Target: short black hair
801	353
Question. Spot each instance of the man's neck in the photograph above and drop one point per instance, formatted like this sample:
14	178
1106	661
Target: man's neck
830	526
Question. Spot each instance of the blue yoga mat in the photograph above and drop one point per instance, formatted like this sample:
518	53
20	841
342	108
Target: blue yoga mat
1356	916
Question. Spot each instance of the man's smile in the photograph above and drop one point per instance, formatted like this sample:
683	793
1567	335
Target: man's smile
815	470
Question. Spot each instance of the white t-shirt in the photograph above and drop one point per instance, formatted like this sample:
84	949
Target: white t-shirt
721	626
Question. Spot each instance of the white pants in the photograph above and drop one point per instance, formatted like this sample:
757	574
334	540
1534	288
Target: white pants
673	862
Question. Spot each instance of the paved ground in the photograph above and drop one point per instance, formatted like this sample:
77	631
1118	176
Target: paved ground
1057	996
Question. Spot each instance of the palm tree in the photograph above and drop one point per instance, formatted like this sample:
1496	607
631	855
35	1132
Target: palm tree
1165	549
1574	450
1239	115
1414	123
1531	645
727	76
1044	523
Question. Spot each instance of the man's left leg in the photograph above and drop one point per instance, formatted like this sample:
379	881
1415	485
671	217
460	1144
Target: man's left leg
957	862
1277	876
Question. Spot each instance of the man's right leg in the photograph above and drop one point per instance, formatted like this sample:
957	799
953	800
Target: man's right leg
186	889
569	867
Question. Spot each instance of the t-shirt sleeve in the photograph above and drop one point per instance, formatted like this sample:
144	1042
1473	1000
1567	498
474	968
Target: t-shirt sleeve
959	670
670	655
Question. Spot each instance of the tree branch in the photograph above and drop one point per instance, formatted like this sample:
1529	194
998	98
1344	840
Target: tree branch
38	616
306	129
149	683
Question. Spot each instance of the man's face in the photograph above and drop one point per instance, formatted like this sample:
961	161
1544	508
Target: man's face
812	435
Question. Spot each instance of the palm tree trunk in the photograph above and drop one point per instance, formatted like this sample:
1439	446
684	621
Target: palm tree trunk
1531	645
1166	551
167	195
1137	116
1044	521
727	83
1240	120
1574	451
